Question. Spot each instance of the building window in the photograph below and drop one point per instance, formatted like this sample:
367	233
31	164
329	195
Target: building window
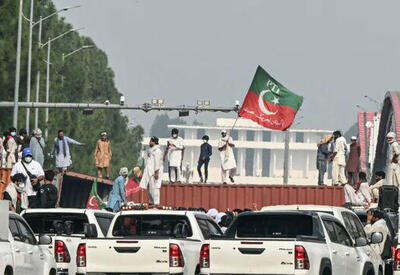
266	135
249	165
250	135
235	135
266	162
300	137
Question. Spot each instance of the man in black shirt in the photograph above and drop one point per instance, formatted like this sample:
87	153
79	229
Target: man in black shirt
205	153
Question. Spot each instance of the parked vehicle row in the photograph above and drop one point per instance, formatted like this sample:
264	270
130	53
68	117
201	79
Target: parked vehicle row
66	227
20	252
289	239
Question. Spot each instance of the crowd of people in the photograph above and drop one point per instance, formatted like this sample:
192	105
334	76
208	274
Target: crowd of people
23	180
342	162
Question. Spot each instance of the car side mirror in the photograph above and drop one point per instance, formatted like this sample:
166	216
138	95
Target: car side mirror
45	239
376	238
90	230
361	241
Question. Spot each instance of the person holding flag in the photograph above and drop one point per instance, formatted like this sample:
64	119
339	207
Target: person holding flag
228	162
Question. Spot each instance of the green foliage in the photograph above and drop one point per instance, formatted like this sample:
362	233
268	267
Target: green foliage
83	77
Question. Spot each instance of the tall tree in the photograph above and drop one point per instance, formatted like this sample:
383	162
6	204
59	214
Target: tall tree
83	77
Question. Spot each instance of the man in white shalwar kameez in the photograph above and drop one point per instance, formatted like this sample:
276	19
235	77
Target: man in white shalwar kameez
393	170
151	179
228	162
338	159
174	151
62	152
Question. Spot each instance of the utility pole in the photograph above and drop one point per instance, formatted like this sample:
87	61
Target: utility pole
18	65
28	82
286	158
47	88
38	77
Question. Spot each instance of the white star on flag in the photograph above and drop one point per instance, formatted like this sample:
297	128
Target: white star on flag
275	100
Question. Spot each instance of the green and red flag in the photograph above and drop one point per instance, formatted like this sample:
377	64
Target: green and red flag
269	103
94	201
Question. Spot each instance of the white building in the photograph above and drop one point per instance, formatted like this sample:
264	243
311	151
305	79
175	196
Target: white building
259	152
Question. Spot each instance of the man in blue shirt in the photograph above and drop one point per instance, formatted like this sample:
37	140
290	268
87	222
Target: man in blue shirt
205	153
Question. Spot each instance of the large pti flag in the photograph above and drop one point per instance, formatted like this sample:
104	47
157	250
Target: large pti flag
269	103
94	200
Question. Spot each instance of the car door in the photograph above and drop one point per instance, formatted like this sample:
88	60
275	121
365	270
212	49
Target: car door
19	248
34	257
352	260
337	250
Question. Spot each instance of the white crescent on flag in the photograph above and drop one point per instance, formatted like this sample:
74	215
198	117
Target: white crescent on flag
90	202
261	104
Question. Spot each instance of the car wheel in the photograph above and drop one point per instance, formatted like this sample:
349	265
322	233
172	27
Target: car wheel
326	272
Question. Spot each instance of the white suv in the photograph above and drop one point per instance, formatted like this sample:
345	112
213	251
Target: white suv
365	254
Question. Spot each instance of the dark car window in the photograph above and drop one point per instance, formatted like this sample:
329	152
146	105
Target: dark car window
45	223
25	233
14	230
274	226
330	229
355	227
342	235
204	228
104	222
150	225
214	228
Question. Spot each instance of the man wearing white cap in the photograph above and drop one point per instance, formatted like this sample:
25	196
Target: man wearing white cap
37	145
338	159
228	162
151	179
394	165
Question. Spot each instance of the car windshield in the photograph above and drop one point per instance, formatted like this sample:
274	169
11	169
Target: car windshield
275	226
150	225
56	223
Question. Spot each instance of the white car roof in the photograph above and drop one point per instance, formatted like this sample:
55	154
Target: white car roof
159	212
310	207
64	210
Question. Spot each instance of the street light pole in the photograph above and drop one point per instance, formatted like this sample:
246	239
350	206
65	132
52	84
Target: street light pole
38	77
48	44
18	65
28	82
47	87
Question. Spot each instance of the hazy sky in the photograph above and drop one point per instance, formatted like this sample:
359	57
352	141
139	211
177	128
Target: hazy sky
331	52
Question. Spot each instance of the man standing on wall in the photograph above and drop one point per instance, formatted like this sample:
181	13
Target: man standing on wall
338	159
228	162
174	151
394	165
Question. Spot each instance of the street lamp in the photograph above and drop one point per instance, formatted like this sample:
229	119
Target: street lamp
28	84
69	54
48	44
157	102
17	66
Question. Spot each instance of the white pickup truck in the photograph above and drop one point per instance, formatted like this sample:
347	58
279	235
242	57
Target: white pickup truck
66	226
285	242
353	225
20	252
147	242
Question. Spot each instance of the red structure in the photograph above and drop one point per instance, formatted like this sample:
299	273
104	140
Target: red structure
76	189
224	197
